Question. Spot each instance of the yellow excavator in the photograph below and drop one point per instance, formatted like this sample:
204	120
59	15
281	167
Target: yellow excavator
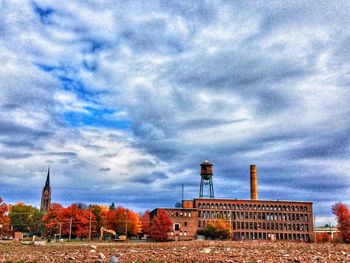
111	231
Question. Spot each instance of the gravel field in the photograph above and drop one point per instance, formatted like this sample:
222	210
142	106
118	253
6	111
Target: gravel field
193	251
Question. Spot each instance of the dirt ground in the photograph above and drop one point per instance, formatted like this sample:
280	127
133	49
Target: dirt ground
192	251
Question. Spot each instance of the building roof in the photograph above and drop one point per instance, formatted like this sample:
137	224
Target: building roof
249	200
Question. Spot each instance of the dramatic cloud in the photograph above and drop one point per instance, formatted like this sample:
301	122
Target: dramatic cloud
125	99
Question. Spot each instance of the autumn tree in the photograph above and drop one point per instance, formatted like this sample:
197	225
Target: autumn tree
4	219
53	219
25	218
100	213
218	229
133	223
161	226
343	216
80	220
145	223
123	220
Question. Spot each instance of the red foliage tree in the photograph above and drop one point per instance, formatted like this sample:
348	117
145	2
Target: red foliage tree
343	216
53	218
145	223
4	219
80	220
161	226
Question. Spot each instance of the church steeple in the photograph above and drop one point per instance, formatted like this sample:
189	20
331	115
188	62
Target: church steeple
47	183
46	193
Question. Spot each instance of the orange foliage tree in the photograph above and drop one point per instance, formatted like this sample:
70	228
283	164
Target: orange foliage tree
123	221
343	216
4	219
145	220
323	237
217	229
161	226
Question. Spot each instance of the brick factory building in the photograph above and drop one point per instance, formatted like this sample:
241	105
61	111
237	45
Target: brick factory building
249	219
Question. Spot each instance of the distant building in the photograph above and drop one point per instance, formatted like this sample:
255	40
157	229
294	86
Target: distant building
249	219
46	193
327	233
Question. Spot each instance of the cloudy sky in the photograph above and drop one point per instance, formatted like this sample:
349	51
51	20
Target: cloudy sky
124	100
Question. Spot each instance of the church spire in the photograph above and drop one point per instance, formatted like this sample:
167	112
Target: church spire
47	183
46	194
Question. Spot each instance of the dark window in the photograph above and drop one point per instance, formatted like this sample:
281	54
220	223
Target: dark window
185	223
177	227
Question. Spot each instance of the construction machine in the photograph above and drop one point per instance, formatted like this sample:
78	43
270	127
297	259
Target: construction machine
111	231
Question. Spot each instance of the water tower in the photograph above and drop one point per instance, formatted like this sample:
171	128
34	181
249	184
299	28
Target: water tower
206	179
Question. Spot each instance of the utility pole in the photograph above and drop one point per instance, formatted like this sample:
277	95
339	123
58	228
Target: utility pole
60	230
229	215
126	223
90	227
70	228
315	234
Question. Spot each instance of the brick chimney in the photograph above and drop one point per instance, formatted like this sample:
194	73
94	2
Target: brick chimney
253	183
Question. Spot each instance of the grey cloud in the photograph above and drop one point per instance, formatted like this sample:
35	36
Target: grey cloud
149	178
63	154
14	155
10	128
203	123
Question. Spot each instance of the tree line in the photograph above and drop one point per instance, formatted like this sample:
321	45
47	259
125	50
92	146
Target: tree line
83	221
80	221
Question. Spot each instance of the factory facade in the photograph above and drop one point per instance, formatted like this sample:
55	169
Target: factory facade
252	219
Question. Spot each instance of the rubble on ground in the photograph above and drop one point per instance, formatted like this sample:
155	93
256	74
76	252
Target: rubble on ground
191	251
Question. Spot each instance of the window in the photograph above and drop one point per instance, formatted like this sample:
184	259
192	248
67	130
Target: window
177	226
185	224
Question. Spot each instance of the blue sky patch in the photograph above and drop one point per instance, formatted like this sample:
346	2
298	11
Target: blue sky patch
95	118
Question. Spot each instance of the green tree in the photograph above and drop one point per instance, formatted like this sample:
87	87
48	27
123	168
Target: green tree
26	218
112	206
100	216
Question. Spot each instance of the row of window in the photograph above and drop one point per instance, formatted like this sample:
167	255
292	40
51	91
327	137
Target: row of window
230	215
263	226
252	207
179	214
278	236
181	233
271	226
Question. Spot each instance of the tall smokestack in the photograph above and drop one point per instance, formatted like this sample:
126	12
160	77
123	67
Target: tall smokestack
253	183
